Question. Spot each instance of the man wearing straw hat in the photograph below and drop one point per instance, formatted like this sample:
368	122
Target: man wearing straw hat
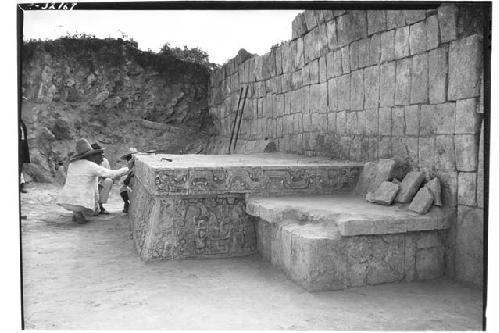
80	192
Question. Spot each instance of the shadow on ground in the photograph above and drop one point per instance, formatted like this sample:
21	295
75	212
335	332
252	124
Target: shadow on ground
89	277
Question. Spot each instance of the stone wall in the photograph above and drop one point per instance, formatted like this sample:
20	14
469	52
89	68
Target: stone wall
362	85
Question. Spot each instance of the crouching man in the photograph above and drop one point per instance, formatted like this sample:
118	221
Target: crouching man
80	192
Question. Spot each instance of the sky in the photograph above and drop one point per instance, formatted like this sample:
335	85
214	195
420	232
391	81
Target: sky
220	33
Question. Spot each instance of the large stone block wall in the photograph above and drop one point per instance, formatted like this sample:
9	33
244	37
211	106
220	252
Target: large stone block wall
367	84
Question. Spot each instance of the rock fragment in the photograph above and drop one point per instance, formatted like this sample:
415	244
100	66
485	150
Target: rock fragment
409	186
434	186
422	202
384	194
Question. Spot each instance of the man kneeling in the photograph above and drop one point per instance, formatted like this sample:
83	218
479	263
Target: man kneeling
80	192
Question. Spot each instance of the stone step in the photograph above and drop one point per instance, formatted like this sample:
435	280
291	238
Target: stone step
341	241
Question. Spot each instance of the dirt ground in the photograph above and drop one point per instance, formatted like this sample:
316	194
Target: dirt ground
89	277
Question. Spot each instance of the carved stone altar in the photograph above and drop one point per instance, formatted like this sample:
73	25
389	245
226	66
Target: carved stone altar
194	207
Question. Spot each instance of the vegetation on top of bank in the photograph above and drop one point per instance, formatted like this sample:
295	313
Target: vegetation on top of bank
89	50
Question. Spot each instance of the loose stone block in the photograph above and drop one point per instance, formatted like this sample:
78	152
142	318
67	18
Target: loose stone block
374	174
403	80
375	49
344	91
395	19
357	91
364	52
467	119
409	186
371	118
346	66
432	32
434	186
413	16
419	79
418	38
331	32
398	121
376	21
384	194
422	201
384	121
371	79
447	16
353	53
412	122
467	188
438	69
387	46
444	118
466	148
449	187
465	66
402	42
445	152
387	83
426	152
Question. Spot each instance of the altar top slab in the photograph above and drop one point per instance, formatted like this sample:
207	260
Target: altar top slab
265	174
190	161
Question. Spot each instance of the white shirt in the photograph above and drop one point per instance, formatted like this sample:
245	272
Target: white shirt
81	183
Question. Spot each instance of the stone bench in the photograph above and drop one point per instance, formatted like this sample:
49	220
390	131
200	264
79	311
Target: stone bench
340	241
194	206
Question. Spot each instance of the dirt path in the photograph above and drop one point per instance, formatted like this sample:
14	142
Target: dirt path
89	277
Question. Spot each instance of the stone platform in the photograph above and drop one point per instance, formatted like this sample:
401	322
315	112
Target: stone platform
194	206
341	240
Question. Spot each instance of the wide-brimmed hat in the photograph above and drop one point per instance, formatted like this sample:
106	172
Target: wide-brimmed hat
84	149
131	151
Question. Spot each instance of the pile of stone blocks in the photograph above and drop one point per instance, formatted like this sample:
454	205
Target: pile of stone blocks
380	184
